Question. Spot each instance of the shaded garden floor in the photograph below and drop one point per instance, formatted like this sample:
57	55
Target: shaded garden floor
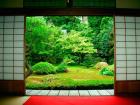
77	77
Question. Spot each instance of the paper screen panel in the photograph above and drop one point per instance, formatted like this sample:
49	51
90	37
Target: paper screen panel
12	47
127	47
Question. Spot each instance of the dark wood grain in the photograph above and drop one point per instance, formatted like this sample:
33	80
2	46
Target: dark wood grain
12	87
127	87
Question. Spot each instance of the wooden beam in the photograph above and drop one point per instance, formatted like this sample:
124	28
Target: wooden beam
12	87
70	11
127	87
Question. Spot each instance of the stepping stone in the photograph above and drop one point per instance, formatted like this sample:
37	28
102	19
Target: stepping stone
103	92
73	93
34	92
70	92
28	91
53	93
44	92
84	93
64	93
111	92
94	93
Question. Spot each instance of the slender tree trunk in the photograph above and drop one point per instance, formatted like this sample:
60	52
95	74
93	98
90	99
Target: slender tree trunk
85	19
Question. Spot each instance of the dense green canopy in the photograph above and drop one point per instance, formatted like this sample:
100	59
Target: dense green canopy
81	39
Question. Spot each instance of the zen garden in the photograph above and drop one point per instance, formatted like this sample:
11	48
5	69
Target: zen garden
69	52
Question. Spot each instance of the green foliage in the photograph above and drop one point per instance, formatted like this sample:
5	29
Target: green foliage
103	37
94	22
88	60
111	67
66	22
43	68
76	45
42	40
35	32
71	84
36	86
83	36
73	40
96	59
71	59
61	68
107	71
78	77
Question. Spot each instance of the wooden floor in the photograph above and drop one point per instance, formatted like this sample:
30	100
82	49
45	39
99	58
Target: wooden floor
70	92
13	100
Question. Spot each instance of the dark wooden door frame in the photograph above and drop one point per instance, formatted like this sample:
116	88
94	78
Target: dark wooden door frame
79	15
70	12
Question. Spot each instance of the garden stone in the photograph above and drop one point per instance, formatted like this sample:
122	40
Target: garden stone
100	65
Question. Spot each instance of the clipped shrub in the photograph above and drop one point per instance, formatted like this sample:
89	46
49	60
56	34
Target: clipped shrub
43	68
61	68
106	71
100	65
111	67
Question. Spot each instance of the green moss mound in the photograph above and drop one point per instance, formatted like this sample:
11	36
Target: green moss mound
109	70
43	68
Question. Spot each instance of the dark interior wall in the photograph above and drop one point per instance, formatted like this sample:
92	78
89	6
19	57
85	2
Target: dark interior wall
127	87
12	87
119	3
128	4
121	86
11	3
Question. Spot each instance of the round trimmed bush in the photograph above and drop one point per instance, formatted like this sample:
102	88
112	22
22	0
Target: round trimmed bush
61	68
43	68
106	71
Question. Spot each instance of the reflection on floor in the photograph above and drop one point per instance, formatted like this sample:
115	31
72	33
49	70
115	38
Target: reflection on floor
19	100
13	100
70	92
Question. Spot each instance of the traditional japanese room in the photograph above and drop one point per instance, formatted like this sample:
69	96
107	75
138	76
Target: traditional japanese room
69	52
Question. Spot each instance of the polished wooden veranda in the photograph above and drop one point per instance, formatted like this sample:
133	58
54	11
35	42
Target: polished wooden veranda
71	92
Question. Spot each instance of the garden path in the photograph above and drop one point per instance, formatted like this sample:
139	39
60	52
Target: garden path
107	92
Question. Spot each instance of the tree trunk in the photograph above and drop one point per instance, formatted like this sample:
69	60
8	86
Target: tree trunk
85	19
